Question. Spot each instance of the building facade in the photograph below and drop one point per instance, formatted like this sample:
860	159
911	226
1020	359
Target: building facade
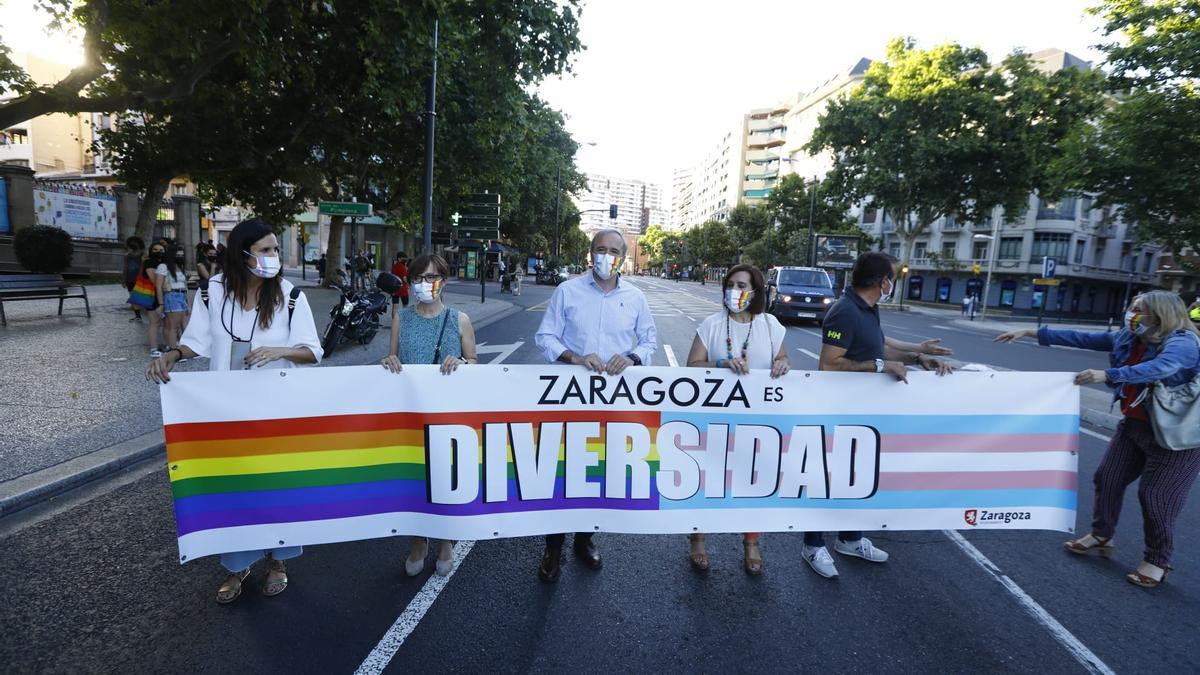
639	205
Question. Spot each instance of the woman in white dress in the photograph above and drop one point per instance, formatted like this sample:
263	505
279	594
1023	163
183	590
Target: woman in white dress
739	337
253	318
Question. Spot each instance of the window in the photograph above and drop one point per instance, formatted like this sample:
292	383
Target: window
1079	244
949	249
1010	248
1147	262
894	249
920	249
869	215
979	249
1053	244
1057	210
1098	258
950	224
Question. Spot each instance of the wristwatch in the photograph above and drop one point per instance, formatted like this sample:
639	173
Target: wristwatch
879	365
637	360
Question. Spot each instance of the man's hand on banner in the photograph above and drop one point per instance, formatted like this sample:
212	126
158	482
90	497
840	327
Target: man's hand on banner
591	362
1091	376
391	362
942	366
898	369
617	364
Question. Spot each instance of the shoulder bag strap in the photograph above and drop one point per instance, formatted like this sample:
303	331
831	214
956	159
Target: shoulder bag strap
291	303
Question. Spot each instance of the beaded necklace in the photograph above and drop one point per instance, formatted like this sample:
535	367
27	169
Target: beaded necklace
729	337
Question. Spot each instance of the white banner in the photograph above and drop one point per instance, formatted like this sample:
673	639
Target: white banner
78	214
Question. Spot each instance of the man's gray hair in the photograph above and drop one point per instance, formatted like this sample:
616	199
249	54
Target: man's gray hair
609	230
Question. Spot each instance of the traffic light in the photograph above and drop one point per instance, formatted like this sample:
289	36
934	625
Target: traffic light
612	211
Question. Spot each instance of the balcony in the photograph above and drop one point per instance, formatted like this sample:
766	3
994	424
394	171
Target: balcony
764	140
761	156
757	194
17	153
765	124
761	175
1105	230
1110	273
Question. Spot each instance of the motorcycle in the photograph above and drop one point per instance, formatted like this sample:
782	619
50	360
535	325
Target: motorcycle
549	276
355	316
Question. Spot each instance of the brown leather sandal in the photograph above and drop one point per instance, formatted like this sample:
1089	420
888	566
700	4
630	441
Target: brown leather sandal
752	564
231	588
1137	578
698	555
277	579
1103	546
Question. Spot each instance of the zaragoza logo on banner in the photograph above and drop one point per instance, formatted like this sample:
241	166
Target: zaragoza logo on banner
260	459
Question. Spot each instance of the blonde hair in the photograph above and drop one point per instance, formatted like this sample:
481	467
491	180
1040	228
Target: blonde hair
1167	312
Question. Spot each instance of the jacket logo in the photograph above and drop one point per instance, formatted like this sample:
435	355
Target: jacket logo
833	335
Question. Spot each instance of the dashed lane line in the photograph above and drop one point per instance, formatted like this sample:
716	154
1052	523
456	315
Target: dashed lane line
1093	434
808	353
394	638
1082	654
671	360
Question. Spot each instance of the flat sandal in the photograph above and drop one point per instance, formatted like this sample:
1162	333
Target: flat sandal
699	559
231	589
276	581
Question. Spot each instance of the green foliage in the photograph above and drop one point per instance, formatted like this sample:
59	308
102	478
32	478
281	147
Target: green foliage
652	243
941	131
1158	41
790	203
747	224
43	250
711	243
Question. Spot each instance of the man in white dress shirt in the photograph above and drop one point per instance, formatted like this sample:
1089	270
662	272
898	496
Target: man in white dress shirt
597	322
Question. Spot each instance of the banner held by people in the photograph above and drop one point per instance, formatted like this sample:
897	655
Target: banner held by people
321	455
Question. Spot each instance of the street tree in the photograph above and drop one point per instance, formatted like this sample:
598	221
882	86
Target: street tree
747	224
941	131
711	243
790	203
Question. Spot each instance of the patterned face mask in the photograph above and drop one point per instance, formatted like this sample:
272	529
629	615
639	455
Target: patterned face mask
427	291
737	301
1136	322
605	264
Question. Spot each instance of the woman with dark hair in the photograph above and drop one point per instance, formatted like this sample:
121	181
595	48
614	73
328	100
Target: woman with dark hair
252	319
171	284
429	332
155	258
135	250
740	337
206	264
1156	344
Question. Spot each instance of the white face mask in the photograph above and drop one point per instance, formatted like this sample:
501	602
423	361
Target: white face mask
737	301
887	297
605	264
266	266
1136	322
427	291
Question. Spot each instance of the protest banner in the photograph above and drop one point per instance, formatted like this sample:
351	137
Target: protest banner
260	459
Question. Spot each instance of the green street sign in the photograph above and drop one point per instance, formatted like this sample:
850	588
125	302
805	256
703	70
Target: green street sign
483	198
443	238
355	209
477	210
480	234
479	222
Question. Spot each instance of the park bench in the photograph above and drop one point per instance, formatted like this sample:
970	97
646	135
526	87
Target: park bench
14	287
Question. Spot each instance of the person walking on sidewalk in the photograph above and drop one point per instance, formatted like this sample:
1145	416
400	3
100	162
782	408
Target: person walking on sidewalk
853	341
597	322
1156	343
400	269
135	251
156	257
171	284
739	337
433	333
253	319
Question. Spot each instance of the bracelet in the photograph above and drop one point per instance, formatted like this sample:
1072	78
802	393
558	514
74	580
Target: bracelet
718	363
174	349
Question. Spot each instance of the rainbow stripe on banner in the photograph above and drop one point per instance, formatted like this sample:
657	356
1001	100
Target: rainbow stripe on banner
308	456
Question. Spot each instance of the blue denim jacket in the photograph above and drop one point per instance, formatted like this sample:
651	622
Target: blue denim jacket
1174	362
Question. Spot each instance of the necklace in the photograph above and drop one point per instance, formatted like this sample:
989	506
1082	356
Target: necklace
729	337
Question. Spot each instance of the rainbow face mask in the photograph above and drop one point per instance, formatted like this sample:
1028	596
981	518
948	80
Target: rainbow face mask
427	291
605	264
1136	322
737	301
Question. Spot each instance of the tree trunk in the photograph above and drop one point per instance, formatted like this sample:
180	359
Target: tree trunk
148	211
333	252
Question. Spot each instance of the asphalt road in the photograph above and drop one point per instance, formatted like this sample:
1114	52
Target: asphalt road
91	582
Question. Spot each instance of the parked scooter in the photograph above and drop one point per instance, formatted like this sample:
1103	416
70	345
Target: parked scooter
355	316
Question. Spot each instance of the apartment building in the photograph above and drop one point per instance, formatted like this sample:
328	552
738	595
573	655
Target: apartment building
639	204
713	185
680	210
49	143
801	119
765	132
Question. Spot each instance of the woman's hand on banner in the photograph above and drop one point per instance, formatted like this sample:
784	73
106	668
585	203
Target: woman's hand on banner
780	366
1014	335
941	366
159	369
392	363
451	364
1091	376
264	355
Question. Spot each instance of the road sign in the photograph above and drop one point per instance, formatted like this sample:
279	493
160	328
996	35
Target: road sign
484	198
443	238
355	209
478	222
476	210
1049	265
1046	282
480	234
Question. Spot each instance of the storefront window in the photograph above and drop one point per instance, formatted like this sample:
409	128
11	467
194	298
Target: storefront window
1008	293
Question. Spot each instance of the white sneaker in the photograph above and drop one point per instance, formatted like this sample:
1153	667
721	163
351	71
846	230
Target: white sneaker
819	559
154	353
862	549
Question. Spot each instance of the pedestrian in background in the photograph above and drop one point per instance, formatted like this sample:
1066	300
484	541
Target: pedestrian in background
321	269
135	251
597	322
1156	343
853	341
400	269
156	256
172	294
245	324
206	264
430	332
740	337
966	304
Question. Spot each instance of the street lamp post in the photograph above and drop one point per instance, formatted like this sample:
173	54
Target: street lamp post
993	244
812	208
558	199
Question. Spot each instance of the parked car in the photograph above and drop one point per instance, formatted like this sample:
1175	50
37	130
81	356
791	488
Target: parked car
801	293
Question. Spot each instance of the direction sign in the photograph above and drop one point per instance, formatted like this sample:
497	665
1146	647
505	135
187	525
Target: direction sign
1046	282
481	234
480	210
355	209
482	198
440	238
478	221
1049	265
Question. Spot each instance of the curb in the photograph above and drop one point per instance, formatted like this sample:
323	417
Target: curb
25	491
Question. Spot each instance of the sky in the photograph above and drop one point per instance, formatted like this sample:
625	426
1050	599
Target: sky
661	80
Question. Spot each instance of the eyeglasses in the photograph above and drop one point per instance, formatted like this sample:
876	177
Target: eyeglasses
429	278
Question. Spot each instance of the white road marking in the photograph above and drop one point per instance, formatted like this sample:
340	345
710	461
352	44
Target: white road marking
1093	434
808	353
941	327
382	654
1082	654
504	351
806	330
540	307
674	362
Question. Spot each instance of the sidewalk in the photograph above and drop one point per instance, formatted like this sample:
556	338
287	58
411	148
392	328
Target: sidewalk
1003	324
74	401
